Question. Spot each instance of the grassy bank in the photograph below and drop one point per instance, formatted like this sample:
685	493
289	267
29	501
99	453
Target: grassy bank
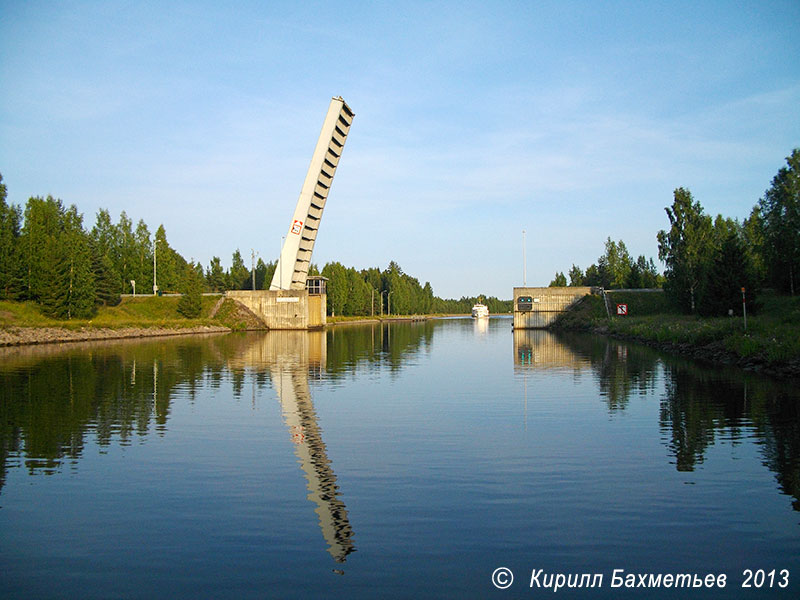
771	342
144	311
161	312
139	312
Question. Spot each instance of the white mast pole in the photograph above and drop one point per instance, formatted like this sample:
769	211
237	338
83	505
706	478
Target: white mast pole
524	264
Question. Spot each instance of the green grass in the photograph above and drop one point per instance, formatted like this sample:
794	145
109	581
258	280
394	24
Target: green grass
24	314
231	315
587	313
143	311
772	336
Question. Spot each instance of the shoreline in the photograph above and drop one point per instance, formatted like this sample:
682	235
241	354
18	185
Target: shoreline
713	353
34	336
31	336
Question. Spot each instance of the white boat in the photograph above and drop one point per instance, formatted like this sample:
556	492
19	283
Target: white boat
480	311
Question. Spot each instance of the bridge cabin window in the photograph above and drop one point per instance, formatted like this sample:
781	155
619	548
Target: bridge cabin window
525	303
317	286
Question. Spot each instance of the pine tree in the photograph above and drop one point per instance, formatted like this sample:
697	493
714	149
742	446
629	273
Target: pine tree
337	287
125	255
615	264
70	289
780	212
215	275
239	275
10	217
106	281
261	274
37	246
269	272
575	276
191	303
105	249
169	264
729	272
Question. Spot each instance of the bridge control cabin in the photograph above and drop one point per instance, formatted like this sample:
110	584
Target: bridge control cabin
537	307
317	285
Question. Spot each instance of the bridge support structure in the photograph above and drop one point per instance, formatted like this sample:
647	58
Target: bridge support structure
538	307
287	309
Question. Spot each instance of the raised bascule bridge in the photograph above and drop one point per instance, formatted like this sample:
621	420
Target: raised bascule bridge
295	300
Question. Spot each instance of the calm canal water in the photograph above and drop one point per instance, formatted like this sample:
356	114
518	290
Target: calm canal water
396	461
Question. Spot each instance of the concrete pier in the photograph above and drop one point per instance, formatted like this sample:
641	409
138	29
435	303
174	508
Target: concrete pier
284	309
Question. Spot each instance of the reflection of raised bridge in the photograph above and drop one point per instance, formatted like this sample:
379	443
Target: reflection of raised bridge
301	419
289	356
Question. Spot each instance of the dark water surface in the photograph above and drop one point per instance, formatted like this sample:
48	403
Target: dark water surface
395	461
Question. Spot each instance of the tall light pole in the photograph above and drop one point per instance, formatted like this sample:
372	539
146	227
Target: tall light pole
524	264
253	257
279	266
389	298
155	284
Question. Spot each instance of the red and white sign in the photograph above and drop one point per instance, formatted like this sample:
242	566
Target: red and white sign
622	309
296	227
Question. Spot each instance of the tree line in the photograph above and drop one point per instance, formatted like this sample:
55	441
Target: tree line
373	292
709	260
48	256
615	269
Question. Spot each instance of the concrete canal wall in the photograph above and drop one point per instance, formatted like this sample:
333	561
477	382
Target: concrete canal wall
284	309
537	307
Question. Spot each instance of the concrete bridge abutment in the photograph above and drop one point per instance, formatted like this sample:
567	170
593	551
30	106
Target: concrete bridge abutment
284	309
538	307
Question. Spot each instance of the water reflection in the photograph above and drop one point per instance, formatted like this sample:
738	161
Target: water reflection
622	370
373	346
539	349
481	326
53	397
699	405
291	357
702	405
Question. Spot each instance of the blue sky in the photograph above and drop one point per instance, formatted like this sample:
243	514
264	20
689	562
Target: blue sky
572	120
